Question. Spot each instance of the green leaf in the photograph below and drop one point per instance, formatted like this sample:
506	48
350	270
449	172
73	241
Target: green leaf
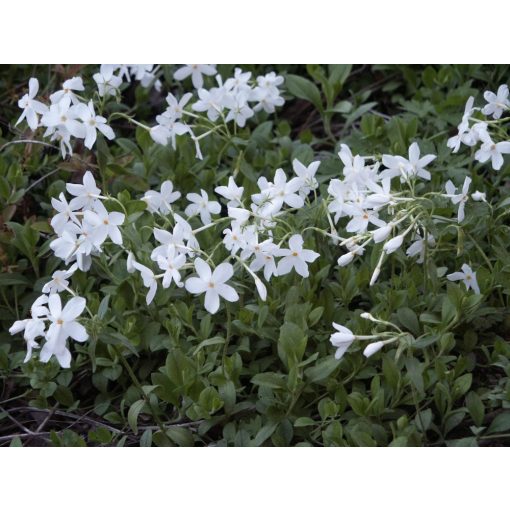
338	74
500	424
304	89
322	370
181	436
291	344
264	433
217	340
409	320
13	279
133	413
475	407
304	422
269	380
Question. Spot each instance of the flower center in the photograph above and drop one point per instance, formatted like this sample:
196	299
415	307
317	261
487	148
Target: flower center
295	254
211	285
60	322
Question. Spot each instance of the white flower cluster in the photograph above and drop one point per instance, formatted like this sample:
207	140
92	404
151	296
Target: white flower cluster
365	192
62	325
83	224
375	198
108	82
66	116
472	130
231	100
248	239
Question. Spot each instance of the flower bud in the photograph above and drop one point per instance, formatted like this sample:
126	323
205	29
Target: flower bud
381	234
129	263
478	196
372	348
376	274
393	244
345	259
368	316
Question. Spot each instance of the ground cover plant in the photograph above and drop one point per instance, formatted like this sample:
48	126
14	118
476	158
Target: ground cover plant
254	255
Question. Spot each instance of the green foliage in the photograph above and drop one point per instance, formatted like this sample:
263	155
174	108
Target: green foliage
264	373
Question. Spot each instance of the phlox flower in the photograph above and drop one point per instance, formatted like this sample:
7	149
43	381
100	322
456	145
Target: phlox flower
342	339
213	284
295	257
468	276
232	192
459	198
93	123
496	103
70	85
196	71
200	204
63	325
492	151
59	280
31	107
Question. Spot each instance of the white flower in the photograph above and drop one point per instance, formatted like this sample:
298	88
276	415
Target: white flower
264	257
200	204
280	192
397	166
106	224
168	196
478	196
266	100
372	348
463	135
33	327
195	71
381	194
63	325
240	111
416	164
233	193
296	257
93	123
58	282
64	117
168	129
211	101
341	340
393	244
149	280
65	213
307	176
234	239
213	284
170	264
239	82
68	86
340	193
107	83
175	108
86	194
271	81
496	103
418	247
160	201
467	276
459	198
492	151
31	107
361	218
